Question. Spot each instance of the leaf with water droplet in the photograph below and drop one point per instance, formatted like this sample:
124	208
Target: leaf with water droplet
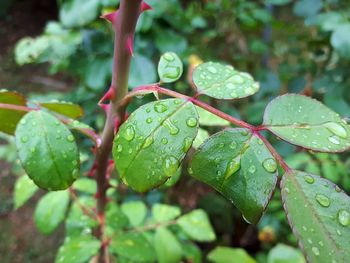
308	123
10	118
64	108
158	146
315	209
47	151
170	67
244	172
223	82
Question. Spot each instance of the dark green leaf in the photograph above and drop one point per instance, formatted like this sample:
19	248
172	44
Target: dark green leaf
202	135
143	71
197	226
170	67
136	211
167	127
24	189
308	123
319	214
192	252
227	254
239	166
115	218
78	249
51	210
133	246
47	151
164	213
167	247
67	109
223	82
10	118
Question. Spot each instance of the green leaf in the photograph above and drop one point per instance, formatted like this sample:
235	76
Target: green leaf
24	189
133	246
202	135
115	218
285	254
10	118
142	71
197	226
307	123
173	179
240	167
227	254
167	127
136	211
307	8
164	213
50	211
85	185
29	50
170	67
78	249
47	151
74	13
319	214
223	82
167	247
192	252
207	118
340	40
67	109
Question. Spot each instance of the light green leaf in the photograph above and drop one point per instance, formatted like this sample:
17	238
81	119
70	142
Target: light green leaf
78	249
10	118
136	211
85	185
240	167
167	127
47	151
319	214
167	247
133	246
340	40
207	118
223	82
202	135
170	67
50	211
192	252
227	254
29	50
307	123
24	189
142	71
115	218
173	179
67	109
197	226
164	213
285	254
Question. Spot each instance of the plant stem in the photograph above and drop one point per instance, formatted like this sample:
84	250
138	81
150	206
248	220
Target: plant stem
124	27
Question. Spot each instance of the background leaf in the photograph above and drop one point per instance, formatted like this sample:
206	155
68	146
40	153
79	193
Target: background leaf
167	247
67	109
24	189
285	254
170	67
164	213
227	254
136	211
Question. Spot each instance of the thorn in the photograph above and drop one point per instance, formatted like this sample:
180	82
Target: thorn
145	7
110	17
109	95
116	125
105	107
130	44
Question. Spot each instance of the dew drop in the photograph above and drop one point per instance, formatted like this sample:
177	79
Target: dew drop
160	107
187	144
286	189
172	127
323	200
189	170
336	129
309	179
252	169
237	78
344	217
170	165
119	148
70	138
164	141
168	57
232	167
191	122
32	150
270	165
212	69
233	145
24	139
149	120
315	251
244	133
129	133
221	145
148	142
334	139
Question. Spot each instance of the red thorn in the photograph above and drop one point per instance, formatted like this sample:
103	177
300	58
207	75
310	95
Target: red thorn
92	170
105	107
111	17
109	95
116	125
145	6
130	44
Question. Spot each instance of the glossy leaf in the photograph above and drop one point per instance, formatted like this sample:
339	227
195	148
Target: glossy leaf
24	189
10	118
164	213
133	246
51	210
78	249
227	254
47	151
156	137
136	211
202	135
197	226
170	67
223	82
207	118
319	214
285	254
67	109
240	167
168	248
308	123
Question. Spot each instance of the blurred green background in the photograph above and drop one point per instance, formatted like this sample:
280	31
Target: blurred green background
62	50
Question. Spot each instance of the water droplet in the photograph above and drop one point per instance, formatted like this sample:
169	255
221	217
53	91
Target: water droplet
315	251
119	148
149	140
270	165
212	69
221	145
344	217
24	139
334	139
338	232
252	169
160	107
336	129
168	57
70	138
129	133
189	170
286	189
260	142
232	167
233	145
32	150
187	144
237	79
172	73
244	133
321	243
304	228
309	179
170	165
191	122
149	120
164	141
323	200
148	110
172	127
